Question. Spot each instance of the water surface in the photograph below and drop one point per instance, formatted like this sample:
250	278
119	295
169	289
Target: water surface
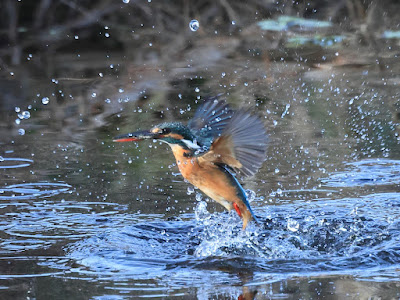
82	217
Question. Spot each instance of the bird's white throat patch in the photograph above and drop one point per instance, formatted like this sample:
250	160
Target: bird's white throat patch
192	145
188	143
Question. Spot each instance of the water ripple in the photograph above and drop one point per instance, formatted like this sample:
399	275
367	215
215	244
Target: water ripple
366	172
13	163
344	235
32	190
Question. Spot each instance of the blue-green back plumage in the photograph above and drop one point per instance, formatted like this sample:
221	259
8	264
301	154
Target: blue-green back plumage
214	119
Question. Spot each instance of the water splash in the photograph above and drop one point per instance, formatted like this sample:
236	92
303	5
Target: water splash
343	234
348	235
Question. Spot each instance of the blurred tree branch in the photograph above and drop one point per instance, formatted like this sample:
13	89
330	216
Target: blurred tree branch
40	13
15	49
44	24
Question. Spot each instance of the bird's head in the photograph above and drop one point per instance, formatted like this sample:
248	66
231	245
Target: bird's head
173	133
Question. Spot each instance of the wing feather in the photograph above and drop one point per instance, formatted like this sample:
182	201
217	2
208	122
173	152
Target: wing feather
241	145
250	141
210	120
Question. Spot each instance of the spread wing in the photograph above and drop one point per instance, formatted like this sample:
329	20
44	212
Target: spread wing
209	121
241	144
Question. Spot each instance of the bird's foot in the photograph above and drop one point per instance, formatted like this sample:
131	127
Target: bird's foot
236	207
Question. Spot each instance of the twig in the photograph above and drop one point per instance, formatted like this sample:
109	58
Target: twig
40	13
12	32
229	10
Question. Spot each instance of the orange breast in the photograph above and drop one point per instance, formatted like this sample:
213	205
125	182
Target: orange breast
207	177
187	165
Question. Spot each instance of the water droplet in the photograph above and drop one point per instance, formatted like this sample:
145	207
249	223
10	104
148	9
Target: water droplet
194	25
17	121
197	90
107	35
77	37
120	90
126	1
293	225
233	23
21	131
101	74
246	84
190	190
24	115
17	109
223	74
1	158
45	100
94	95
201	212
199	197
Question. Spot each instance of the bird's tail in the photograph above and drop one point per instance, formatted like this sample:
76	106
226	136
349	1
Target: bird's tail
243	209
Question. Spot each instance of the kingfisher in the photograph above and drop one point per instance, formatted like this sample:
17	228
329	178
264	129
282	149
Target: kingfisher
217	144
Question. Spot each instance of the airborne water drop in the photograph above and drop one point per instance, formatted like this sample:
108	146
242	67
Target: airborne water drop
194	25
45	100
293	225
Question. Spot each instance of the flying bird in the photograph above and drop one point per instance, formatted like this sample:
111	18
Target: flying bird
215	145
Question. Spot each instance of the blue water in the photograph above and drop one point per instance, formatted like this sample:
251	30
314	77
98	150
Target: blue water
357	236
81	217
131	253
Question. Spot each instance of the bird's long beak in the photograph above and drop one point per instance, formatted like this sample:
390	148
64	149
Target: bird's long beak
134	136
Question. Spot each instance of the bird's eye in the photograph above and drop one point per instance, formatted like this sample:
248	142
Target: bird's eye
165	130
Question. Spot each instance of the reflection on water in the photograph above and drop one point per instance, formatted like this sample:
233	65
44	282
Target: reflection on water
83	215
